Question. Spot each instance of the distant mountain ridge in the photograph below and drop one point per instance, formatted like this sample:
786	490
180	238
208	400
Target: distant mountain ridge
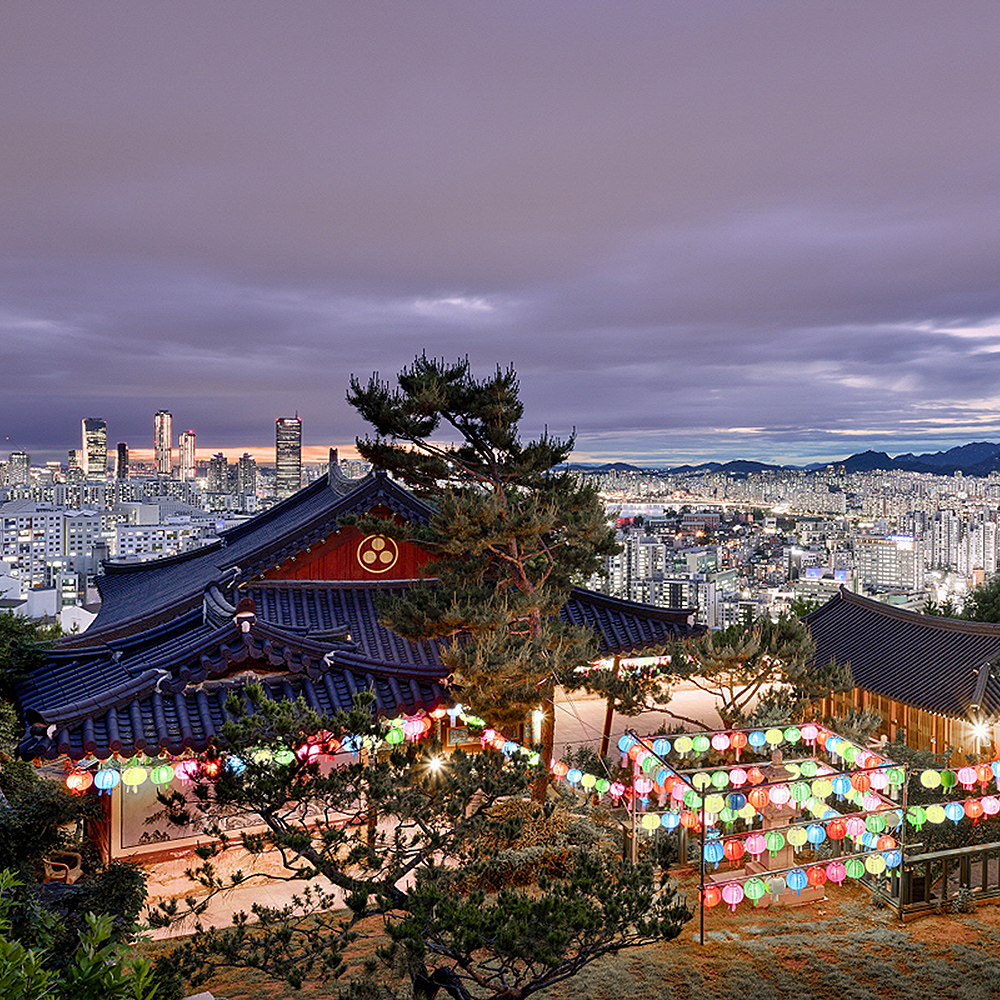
978	458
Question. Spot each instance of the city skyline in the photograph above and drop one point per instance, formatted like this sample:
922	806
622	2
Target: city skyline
699	232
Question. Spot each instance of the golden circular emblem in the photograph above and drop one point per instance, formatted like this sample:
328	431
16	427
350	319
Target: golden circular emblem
377	554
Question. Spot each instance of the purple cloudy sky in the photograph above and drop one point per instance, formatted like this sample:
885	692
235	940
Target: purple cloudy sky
698	229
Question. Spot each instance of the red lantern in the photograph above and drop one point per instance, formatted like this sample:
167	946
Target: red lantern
211	767
733	850
862	782
754	776
983	774
711	896
973	809
758	798
559	769
689	819
886	843
79	781
738	741
817	876
836	829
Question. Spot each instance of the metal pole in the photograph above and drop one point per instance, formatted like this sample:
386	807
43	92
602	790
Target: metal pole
701	867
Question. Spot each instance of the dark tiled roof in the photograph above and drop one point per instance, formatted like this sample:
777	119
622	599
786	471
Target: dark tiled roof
167	688
625	626
621	626
937	664
350	607
140	594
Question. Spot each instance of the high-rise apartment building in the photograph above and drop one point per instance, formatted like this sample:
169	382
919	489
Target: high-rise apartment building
121	461
218	474
163	436
186	448
94	448
19	469
287	456
246	475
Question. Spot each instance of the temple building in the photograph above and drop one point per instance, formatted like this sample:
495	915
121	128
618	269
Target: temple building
938	679
288	598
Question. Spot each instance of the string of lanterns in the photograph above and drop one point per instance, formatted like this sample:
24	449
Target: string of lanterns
160	771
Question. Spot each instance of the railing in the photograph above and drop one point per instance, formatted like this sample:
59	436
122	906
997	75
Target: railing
941	880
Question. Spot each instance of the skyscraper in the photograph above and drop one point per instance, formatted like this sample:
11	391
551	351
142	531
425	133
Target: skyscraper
186	447
287	455
246	475
163	435
94	448
121	462
19	469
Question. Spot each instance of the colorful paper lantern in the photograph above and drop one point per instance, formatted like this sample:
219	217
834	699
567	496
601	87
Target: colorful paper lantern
720	742
774	737
756	739
670	820
107	779
779	794
713	853
775	885
954	811
808	768
683	745
711	896
974	809
738	742
733	850
162	775
930	779
774	841
967	777
893	859
701	780
991	805
732	893
817	876
753	889
916	816
737	777
79	781
797	879
736	801
935	814
855	826
700	743
755	776
650	821
836	829
841	785
601	786
854	868
720	779
809	733
815	834
874	864
792	735
758	798
836	872
756	845
797	836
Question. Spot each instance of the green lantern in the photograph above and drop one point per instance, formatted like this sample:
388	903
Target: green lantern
854	868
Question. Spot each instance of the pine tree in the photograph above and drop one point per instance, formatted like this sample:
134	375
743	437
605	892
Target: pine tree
509	536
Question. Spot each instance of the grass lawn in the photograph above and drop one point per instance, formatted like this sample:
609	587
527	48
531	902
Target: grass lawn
841	949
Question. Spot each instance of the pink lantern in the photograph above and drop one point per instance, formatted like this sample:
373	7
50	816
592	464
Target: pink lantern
186	770
967	777
855	826
836	872
991	805
756	845
678	792
879	780
720	742
779	794
643	786
617	789
737	777
732	893
809	733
